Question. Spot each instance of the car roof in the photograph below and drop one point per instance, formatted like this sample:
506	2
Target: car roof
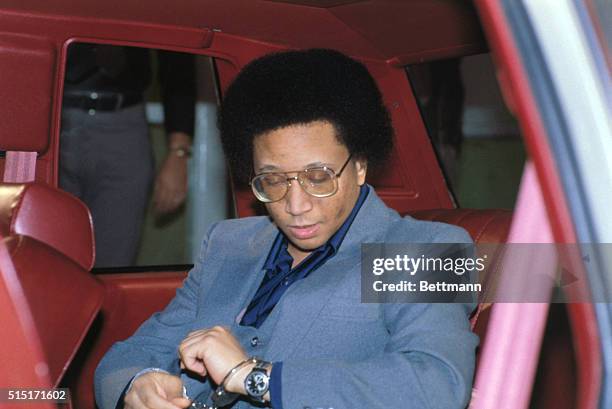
399	32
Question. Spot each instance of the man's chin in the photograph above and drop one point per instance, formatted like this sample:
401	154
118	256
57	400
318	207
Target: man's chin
306	245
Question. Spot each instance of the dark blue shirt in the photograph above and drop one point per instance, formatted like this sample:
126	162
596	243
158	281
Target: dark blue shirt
279	276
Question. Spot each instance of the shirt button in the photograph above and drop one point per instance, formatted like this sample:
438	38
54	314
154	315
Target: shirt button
254	341
286	282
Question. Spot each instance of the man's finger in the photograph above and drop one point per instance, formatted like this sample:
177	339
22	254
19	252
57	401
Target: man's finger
152	400
195	365
133	400
191	360
163	198
181	402
195	337
191	357
197	332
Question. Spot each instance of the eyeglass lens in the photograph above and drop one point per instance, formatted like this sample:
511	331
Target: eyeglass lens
316	182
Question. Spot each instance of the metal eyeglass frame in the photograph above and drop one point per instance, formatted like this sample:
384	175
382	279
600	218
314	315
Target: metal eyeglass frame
297	178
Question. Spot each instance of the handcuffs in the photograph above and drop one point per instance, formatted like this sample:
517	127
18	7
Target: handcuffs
220	397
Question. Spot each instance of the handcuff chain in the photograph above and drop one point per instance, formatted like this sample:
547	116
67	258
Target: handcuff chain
220	397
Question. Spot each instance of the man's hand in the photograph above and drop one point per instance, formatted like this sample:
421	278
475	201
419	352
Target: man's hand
214	352
156	390
171	182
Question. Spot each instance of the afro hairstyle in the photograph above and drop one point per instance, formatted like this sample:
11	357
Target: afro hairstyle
298	87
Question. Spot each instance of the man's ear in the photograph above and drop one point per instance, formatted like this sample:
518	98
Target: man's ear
361	168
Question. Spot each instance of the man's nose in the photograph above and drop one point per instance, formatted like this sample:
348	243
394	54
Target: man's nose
297	201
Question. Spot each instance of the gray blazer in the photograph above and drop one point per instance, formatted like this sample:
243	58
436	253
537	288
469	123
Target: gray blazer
336	352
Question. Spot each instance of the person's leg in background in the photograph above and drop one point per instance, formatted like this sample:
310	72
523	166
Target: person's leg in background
106	161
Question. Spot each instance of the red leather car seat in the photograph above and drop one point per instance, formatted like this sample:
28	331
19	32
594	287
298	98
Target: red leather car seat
130	299
484	226
23	363
50	216
49	238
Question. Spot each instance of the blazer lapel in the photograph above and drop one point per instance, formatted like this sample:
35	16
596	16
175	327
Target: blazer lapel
300	306
241	276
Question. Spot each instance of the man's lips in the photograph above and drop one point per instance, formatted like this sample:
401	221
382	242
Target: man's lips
304	231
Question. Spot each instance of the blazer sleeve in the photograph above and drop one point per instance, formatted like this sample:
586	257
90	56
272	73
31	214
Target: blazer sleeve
427	363
154	344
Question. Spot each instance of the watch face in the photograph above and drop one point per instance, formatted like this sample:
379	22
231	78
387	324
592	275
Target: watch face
257	383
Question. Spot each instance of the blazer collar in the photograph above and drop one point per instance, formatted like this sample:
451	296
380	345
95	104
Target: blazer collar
370	224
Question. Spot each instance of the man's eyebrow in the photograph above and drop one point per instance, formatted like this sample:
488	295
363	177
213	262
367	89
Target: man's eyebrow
272	168
268	168
316	164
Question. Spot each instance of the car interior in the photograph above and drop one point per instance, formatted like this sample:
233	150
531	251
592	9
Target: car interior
60	315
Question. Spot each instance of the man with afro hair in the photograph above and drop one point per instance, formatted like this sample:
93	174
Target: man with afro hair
271	314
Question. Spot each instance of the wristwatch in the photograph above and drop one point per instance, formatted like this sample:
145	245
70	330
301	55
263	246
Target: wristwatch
257	382
181	151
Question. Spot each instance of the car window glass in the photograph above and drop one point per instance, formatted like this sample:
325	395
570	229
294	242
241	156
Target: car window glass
139	145
476	138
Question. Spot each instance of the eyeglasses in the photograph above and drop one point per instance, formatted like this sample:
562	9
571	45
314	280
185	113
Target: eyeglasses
318	182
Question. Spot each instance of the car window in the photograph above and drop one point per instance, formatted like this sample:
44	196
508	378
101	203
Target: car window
476	138
139	145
